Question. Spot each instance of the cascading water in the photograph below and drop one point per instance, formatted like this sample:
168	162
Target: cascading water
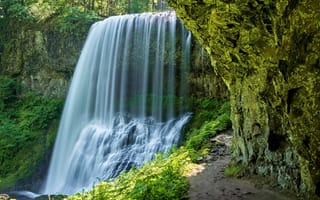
125	100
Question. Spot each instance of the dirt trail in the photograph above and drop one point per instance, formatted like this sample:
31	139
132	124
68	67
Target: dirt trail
211	183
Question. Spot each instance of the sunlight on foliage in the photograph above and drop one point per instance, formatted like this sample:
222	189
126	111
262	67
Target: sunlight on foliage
42	10
159	179
165	176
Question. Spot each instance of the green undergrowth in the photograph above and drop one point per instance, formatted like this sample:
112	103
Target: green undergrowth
233	170
160	179
210	117
28	123
165	176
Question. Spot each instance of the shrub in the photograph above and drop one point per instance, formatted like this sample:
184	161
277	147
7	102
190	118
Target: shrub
8	90
213	117
24	119
161	178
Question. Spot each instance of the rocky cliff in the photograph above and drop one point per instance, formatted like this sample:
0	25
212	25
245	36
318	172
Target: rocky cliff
203	80
267	53
42	59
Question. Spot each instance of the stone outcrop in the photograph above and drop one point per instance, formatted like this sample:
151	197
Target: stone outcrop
43	60
203	80
267	53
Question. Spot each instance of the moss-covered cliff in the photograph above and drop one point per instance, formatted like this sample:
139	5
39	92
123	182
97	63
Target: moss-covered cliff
268	55
40	42
42	59
203	80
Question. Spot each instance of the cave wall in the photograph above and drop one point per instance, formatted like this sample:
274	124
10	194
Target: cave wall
267	53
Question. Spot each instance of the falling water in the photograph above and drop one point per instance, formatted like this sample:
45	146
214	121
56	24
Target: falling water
124	103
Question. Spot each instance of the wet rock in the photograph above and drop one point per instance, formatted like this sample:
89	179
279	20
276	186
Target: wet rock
268	57
200	159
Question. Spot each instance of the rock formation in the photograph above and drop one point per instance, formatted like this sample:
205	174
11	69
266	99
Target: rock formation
267	53
43	60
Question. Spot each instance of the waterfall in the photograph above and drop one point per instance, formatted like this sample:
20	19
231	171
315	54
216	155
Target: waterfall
125	102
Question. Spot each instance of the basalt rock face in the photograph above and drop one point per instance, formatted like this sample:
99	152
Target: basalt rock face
267	53
203	80
43	60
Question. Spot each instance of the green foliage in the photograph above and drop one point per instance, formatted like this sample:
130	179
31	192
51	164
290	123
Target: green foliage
72	19
138	6
164	177
8	89
25	160
206	109
233	170
19	12
160	179
211	117
23	121
36	111
15	12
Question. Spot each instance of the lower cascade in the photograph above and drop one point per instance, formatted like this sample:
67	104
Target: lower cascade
126	102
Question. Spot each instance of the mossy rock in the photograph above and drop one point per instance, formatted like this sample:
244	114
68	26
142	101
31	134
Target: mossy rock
267	52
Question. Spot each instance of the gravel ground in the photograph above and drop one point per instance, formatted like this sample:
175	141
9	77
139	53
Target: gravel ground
209	182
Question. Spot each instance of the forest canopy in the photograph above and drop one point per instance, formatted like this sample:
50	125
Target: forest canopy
66	16
40	9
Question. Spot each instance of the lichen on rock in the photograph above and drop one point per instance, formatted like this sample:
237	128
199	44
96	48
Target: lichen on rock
267	52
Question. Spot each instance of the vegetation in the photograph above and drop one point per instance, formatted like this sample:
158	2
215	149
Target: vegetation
267	54
164	177
211	116
24	121
233	170
116	7
28	121
160	179
70	17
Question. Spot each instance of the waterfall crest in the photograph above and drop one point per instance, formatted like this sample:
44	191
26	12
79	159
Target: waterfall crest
125	102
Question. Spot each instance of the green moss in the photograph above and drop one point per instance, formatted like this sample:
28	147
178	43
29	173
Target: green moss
266	52
28	126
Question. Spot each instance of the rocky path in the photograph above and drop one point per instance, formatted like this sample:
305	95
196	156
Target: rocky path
208	181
